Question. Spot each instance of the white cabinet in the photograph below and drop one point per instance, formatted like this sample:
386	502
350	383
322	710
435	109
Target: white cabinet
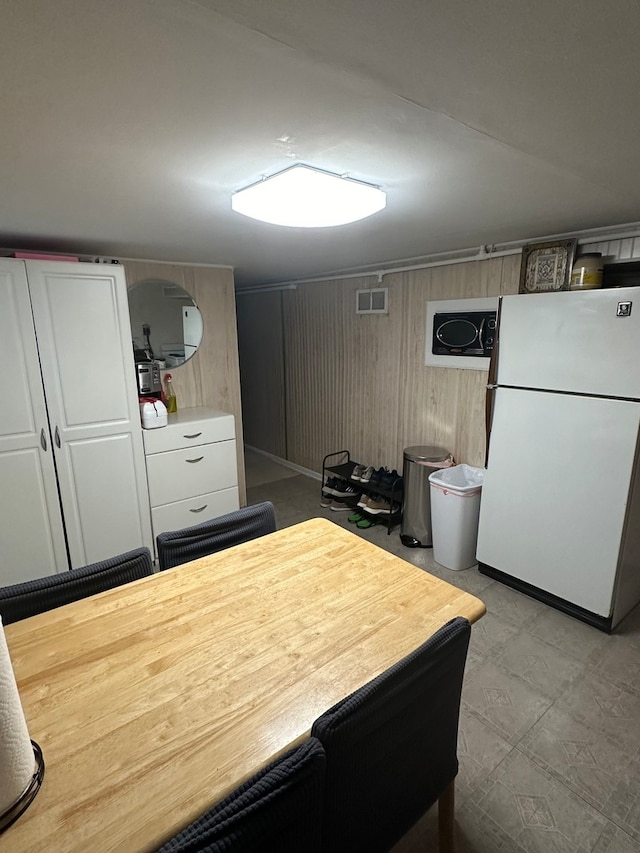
72	475
191	468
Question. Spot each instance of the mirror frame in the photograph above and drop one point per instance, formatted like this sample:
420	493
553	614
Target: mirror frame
153	315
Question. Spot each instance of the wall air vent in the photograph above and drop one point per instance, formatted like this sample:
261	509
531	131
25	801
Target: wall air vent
375	301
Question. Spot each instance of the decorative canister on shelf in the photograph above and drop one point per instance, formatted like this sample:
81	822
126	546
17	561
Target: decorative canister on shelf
587	272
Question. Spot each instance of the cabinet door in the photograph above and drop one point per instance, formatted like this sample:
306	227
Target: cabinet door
84	339
31	530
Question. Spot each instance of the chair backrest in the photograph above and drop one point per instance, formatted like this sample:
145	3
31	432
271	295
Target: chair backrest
37	596
181	546
279	810
391	745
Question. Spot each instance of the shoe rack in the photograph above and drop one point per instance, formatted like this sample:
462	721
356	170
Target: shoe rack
340	464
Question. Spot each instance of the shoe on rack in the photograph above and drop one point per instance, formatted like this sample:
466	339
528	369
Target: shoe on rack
364	500
375	481
355	517
366	522
334	486
325	499
357	472
378	505
346	505
342	489
367	474
389	478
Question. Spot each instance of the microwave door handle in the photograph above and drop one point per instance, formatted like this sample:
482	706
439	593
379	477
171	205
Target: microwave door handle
481	334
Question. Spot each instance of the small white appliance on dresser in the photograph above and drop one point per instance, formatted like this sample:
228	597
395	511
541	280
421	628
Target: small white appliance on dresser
560	508
192	468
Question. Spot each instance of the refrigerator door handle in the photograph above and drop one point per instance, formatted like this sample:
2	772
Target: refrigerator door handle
491	384
488	414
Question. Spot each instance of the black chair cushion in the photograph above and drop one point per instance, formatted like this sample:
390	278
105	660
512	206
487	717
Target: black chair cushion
392	745
37	596
278	810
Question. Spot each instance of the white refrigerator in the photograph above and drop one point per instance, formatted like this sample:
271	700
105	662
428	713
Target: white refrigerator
560	507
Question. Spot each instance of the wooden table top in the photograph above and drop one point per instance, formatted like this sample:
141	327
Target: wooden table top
153	700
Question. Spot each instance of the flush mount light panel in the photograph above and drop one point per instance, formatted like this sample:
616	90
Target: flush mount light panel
303	197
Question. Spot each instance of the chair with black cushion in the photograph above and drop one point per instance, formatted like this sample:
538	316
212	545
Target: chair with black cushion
392	748
181	546
279	810
37	596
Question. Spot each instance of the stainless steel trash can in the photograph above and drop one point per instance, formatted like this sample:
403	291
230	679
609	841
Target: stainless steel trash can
418	463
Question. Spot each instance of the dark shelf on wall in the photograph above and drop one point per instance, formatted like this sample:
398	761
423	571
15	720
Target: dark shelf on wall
345	470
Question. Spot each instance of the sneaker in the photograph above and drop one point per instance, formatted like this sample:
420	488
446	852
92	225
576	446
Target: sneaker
334	486
342	506
348	498
375	481
378	505
357	472
342	489
325	499
367	474
364	500
389	479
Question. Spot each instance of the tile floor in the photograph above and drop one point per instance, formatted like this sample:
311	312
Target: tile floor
549	743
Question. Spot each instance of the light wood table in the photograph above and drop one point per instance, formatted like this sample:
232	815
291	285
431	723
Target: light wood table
154	700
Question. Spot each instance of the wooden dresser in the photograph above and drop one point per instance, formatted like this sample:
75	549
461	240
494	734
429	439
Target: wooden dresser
191	468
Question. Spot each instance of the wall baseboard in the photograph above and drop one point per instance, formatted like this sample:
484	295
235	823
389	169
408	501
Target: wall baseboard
306	471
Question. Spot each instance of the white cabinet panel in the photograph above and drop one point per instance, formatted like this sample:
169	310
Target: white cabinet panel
84	340
180	474
176	516
30	523
82	483
108	520
80	339
31	528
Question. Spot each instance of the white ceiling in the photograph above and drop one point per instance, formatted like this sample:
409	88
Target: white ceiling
127	125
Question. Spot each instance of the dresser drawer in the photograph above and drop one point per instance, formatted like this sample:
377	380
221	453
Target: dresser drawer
181	474
186	429
182	514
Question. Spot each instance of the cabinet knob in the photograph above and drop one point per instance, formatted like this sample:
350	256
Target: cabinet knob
57	437
43	439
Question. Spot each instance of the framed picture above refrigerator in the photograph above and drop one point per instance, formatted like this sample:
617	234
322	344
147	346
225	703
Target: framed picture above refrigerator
546	267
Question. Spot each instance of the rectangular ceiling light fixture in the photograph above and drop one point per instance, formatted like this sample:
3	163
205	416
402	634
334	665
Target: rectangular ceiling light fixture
305	197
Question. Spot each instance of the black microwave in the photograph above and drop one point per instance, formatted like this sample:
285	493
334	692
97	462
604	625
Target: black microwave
468	333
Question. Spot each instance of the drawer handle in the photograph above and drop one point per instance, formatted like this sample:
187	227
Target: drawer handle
199	459
195	435
200	508
43	439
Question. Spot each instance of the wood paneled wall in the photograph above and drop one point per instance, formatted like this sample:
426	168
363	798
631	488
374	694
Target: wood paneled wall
359	382
212	376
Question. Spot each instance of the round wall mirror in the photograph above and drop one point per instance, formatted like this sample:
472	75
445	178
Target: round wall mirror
166	325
